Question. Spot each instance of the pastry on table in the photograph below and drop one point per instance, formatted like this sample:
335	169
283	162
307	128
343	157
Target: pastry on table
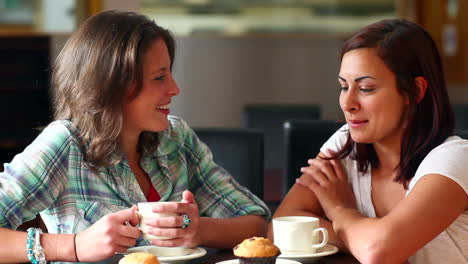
139	258
256	250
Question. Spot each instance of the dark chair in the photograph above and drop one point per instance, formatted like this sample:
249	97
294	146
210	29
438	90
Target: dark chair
461	116
239	151
36	222
269	118
303	139
462	133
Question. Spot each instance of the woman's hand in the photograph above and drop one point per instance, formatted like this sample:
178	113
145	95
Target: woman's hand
328	181
188	236
107	236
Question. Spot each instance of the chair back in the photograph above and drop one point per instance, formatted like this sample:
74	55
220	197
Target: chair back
270	118
303	140
461	116
462	133
240	152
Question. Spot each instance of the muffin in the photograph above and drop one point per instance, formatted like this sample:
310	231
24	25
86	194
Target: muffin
256	250
139	258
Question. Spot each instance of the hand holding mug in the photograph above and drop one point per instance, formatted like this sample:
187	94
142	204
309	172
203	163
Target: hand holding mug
171	224
108	235
150	218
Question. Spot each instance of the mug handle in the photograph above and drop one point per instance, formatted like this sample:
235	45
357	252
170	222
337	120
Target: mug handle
138	214
139	220
325	237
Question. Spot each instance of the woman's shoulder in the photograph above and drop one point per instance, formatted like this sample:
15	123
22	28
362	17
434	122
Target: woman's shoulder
448	159
453	147
55	141
337	140
59	131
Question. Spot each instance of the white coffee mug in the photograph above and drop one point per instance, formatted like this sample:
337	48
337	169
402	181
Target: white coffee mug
145	211
295	235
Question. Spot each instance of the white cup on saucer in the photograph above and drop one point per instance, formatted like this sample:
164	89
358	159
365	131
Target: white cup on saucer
295	235
145	211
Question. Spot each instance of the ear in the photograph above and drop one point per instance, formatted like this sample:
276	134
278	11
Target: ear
131	92
421	83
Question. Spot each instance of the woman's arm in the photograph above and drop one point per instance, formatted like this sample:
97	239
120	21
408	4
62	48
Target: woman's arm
99	242
56	247
433	204
301	201
205	231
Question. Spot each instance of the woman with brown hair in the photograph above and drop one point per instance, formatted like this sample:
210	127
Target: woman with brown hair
391	185
113	144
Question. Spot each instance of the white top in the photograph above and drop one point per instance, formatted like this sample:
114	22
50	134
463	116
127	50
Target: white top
450	246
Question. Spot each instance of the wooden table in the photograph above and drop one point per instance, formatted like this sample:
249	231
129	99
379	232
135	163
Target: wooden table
214	256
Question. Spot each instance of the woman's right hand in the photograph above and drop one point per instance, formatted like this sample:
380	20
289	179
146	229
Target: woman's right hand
327	179
107	236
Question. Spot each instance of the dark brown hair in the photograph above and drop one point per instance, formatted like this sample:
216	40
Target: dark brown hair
409	52
94	72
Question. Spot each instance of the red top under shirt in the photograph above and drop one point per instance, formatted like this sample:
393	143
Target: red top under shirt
153	195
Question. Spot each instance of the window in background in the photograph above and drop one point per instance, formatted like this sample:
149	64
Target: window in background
16	12
26	17
57	16
16	16
237	17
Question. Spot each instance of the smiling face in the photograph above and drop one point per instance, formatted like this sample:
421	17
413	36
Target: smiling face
149	109
372	105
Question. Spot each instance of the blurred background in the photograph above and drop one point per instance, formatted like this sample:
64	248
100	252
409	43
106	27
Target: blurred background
230	53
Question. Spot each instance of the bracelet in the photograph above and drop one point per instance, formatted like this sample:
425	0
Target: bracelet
33	246
74	245
38	251
30	243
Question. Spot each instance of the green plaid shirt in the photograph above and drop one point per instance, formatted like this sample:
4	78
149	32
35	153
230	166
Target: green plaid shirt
50	177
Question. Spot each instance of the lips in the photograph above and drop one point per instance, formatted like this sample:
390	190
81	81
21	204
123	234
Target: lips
357	123
163	109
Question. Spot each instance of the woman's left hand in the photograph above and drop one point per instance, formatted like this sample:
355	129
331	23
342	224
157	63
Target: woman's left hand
184	234
328	181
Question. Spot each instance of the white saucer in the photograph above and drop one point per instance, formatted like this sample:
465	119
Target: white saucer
278	261
311	257
192	254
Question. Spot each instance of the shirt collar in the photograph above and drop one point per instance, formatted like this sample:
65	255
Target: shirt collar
169	141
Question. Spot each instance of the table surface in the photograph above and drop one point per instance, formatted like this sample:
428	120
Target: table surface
214	256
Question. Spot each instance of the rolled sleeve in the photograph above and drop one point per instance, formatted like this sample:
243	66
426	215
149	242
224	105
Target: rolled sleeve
32	181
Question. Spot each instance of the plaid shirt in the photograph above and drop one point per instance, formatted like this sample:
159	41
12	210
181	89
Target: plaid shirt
50	177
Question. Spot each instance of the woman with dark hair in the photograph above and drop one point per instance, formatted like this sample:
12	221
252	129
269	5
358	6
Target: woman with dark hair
391	185
112	145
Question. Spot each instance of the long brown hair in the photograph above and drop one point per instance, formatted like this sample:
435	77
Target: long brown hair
409	52
94	72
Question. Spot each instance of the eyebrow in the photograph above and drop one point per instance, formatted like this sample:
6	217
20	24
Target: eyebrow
162	69
358	79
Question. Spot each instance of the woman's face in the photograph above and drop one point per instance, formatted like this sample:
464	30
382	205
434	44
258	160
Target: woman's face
149	109
373	107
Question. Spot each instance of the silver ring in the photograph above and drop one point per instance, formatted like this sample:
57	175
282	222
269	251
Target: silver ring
186	221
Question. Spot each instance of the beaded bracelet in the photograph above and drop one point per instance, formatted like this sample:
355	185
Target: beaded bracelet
33	246
30	244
